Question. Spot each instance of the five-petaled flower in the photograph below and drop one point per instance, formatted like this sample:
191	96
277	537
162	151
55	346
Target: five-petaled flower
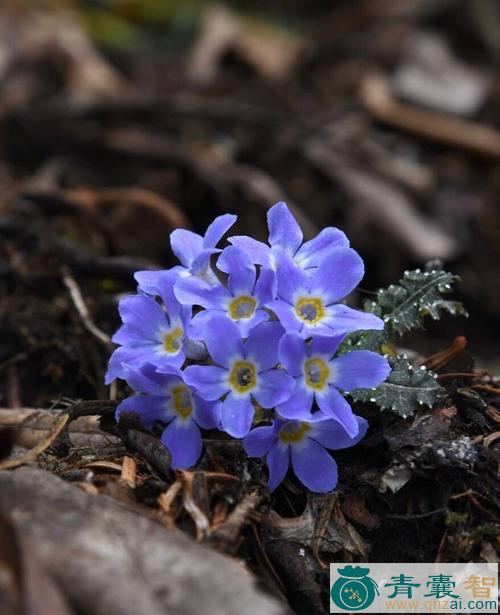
308	302
303	442
244	372
163	396
319	375
150	333
193	251
285	233
242	301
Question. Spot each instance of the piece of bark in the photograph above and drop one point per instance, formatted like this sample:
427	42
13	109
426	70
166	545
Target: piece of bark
109	560
30	425
296	564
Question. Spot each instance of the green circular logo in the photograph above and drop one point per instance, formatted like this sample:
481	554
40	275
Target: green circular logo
354	590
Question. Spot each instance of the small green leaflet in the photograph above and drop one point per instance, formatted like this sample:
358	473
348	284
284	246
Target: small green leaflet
419	293
406	388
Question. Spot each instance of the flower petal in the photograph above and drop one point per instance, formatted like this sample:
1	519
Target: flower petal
326	346
312	252
291	279
165	285
143	316
343	319
148	280
217	229
195	350
318	329
147	379
124	335
134	356
283	228
262	344
337	275
314	467
209	381
149	408
266	287
246	325
138	354
165	360
286	314
259	441
186	245
194	291
206	413
333	405
236	416
359	369
292	352
223	340
200	266
274	387
183	440
199	323
331	434
240	269
259	252
278	460
298	405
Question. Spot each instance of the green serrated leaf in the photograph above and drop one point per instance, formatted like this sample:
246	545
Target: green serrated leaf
364	340
418	294
403	307
406	388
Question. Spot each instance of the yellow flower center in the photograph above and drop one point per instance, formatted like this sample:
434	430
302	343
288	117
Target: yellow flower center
316	372
243	377
294	432
310	309
172	340
182	400
242	307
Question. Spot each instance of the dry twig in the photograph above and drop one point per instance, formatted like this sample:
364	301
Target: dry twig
79	303
32	454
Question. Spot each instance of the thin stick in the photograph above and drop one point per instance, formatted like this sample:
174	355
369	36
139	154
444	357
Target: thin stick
32	454
79	303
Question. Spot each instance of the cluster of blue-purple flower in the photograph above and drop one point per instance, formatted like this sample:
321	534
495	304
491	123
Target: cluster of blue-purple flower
200	353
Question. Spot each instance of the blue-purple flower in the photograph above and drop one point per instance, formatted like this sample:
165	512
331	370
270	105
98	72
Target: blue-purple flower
303	443
163	396
308	302
193	251
321	376
285	233
243	301
151	333
243	372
